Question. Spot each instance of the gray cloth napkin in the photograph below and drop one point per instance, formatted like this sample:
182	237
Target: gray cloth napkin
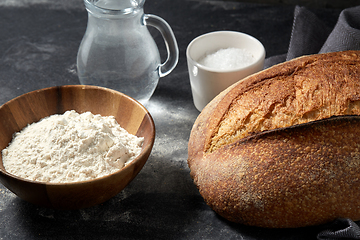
310	36
341	228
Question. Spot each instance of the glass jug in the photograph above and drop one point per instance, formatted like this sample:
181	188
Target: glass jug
118	52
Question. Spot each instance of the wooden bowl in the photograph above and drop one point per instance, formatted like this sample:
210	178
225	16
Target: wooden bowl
33	106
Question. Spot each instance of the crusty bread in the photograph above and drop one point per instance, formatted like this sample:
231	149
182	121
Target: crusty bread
281	148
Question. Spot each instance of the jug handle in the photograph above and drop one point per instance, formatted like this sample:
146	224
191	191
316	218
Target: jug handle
169	39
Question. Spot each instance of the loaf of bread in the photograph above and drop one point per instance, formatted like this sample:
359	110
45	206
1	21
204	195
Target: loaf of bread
281	148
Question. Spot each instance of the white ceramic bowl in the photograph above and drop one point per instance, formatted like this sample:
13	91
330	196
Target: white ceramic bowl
208	82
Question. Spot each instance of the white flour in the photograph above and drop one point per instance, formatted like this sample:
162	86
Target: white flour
69	148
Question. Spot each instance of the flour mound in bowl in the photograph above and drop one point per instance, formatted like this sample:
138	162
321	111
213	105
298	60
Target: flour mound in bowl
71	147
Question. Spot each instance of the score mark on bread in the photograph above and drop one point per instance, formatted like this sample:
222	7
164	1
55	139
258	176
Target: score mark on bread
294	93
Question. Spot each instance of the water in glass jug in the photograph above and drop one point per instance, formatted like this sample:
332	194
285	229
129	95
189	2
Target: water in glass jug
118	52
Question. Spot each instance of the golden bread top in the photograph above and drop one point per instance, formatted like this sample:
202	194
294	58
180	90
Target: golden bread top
305	89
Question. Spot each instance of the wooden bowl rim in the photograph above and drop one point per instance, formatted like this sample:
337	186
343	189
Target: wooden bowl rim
142	154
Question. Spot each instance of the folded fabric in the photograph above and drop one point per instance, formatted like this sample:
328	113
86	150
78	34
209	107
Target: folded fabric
346	33
341	228
310	36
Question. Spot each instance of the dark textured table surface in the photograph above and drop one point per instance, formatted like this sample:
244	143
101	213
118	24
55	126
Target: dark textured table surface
38	48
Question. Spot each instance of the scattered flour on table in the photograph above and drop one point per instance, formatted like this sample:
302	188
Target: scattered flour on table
70	147
228	58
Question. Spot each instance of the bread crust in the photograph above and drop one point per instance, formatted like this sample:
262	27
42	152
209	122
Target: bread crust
296	164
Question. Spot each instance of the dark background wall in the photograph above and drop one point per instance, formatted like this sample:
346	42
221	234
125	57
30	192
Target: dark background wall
309	3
